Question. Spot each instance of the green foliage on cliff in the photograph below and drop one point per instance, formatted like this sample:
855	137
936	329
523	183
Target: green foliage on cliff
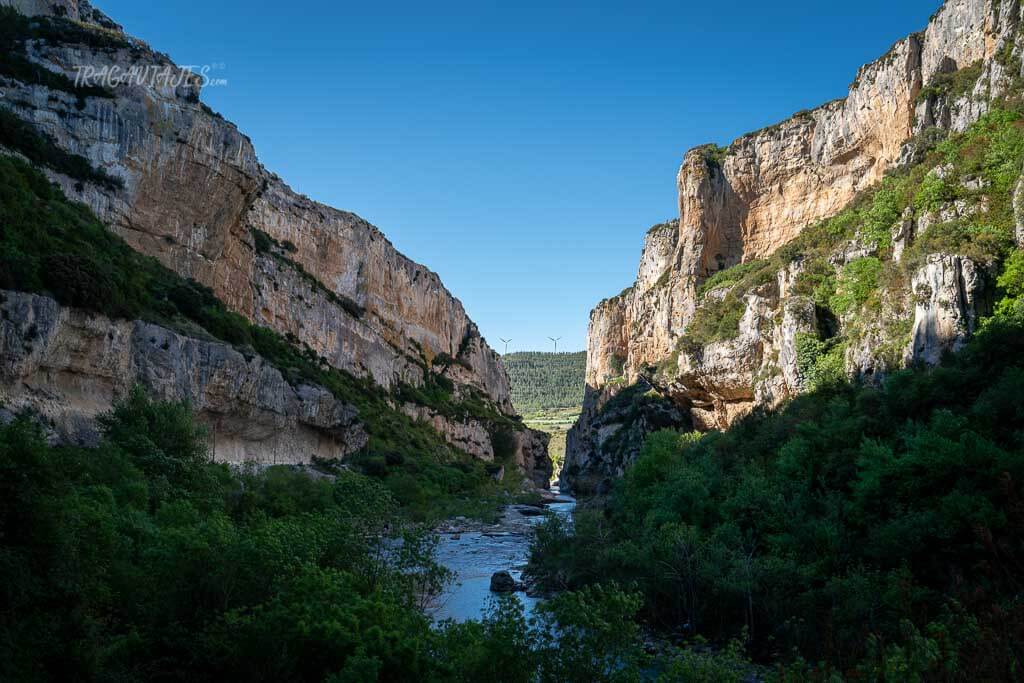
546	381
16	30
964	182
713	155
718	316
731	276
53	246
1011	280
868	529
857	283
954	84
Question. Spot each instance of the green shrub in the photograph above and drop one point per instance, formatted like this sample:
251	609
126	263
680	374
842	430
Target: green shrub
952	85
714	155
884	210
731	276
933	192
714	320
856	285
821	363
1011	280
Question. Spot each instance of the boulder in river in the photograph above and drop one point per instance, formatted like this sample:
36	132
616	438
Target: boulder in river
502	582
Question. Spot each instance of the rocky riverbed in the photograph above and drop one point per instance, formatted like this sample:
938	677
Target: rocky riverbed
476	551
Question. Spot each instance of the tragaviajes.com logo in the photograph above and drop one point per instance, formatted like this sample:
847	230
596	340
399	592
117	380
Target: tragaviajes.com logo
151	76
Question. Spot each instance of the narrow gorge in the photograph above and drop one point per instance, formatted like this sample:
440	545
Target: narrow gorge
243	437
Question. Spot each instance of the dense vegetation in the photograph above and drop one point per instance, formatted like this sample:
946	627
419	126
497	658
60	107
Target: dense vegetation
141	560
876	532
546	381
53	246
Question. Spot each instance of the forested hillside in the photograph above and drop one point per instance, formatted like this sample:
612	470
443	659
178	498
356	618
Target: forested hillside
545	381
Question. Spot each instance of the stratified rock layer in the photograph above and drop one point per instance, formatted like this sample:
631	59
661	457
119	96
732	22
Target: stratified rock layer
69	366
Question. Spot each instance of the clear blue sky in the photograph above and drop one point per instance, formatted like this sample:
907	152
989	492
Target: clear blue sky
520	152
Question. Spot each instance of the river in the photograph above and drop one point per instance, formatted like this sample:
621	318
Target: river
474	552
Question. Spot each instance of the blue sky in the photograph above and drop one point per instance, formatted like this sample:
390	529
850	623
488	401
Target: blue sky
521	151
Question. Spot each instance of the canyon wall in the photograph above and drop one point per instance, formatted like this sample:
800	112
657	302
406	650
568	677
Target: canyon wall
196	197
744	202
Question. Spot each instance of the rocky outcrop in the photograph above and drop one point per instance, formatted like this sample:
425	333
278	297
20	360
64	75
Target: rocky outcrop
78	10
69	366
743	202
468	435
610	431
950	297
531	455
195	197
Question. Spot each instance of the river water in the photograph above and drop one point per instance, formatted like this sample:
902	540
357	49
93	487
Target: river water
474	553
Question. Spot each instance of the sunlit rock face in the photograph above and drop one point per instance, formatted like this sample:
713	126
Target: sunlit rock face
69	366
195	192
950	297
744	202
196	197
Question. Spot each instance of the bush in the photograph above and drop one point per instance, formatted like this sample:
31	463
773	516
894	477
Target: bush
856	285
820	363
884	211
952	85
731	276
142	555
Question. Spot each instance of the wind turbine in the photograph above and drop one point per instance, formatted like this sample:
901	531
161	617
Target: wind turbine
555	340
506	344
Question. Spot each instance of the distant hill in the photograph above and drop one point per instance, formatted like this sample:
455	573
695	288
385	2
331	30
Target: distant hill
546	381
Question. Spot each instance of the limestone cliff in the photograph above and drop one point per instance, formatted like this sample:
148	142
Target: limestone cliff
742	203
195	197
69	366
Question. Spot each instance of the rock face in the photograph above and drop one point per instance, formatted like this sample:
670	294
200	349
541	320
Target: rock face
949	294
743	202
194	195
69	366
610	431
531	455
196	198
